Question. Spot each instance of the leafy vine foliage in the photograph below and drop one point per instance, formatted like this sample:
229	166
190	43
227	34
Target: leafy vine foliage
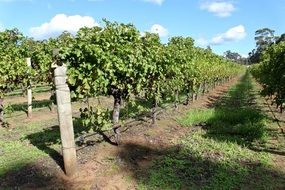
14	71
115	60
15	74
12	63
271	73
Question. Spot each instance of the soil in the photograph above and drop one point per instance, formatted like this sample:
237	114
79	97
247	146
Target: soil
22	99
106	166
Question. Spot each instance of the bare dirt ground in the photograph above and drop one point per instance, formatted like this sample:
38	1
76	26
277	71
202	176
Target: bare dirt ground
105	166
22	99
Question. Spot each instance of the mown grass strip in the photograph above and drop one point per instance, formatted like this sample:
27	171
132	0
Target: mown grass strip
236	114
218	154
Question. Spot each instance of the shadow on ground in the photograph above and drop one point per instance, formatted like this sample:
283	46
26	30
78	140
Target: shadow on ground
181	168
236	116
33	176
36	104
48	140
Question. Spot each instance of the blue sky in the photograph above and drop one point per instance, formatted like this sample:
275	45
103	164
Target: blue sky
222	24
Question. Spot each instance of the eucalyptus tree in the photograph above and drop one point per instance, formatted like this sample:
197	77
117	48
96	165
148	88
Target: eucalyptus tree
264	38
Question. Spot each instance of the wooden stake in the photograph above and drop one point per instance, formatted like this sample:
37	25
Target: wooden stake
29	91
65	120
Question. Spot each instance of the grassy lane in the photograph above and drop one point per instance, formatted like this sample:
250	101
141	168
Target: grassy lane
223	151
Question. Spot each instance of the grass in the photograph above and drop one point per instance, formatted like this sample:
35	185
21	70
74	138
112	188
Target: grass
196	117
18	151
218	154
236	116
36	89
29	142
36	105
204	163
16	154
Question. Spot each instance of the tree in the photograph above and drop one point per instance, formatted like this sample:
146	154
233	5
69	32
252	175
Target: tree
264	37
232	55
280	39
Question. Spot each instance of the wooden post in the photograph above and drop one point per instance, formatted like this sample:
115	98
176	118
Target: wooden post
29	91
65	120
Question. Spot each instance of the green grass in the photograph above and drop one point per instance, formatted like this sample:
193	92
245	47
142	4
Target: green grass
204	163
236	115
28	142
219	154
36	89
16	154
196	116
17	150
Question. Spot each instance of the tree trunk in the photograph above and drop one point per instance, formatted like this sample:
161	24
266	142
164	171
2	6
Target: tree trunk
199	90
23	88
188	97
154	111
1	111
116	114
194	95
204	88
176	100
127	109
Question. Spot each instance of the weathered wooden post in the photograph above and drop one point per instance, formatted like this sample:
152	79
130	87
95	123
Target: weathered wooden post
29	90
65	117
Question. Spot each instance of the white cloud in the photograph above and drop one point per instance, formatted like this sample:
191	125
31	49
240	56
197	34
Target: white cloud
160	30
60	23
218	7
158	2
233	34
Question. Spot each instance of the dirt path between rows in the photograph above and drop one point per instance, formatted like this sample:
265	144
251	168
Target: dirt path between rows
105	166
110	167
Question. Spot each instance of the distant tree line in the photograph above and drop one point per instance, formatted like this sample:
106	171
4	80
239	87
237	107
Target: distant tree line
264	38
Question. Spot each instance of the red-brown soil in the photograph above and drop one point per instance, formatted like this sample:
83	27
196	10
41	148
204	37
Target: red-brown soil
106	166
